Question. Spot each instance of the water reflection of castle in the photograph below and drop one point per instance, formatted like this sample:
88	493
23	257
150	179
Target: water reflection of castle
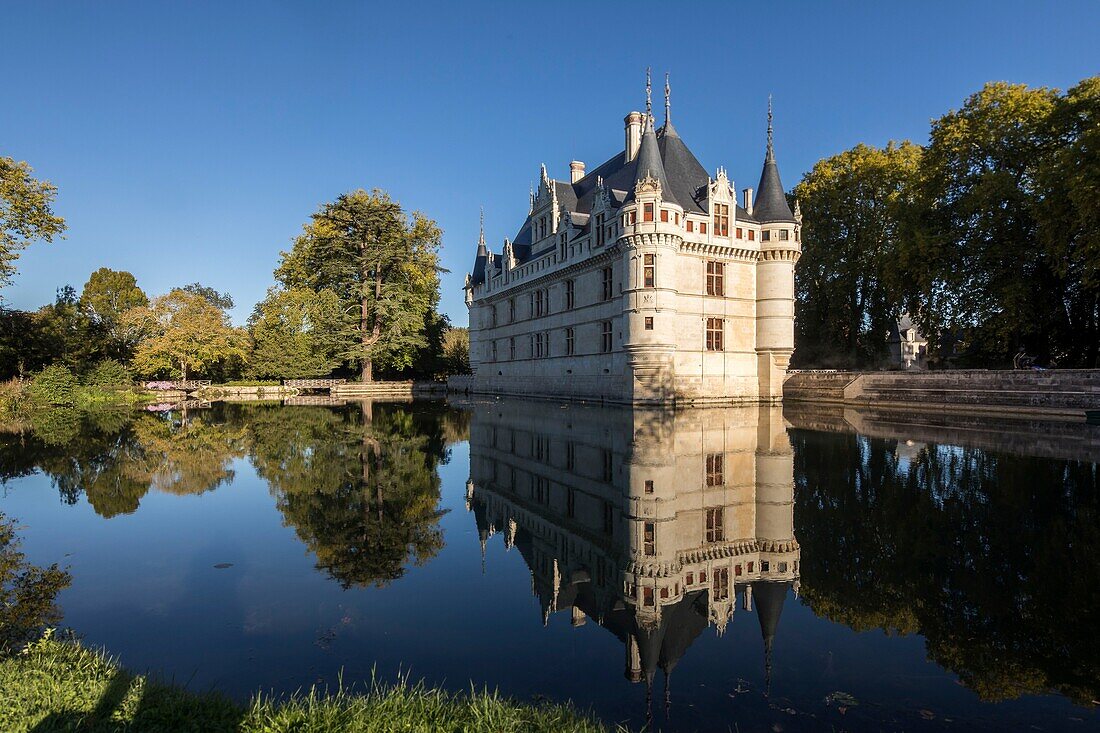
653	523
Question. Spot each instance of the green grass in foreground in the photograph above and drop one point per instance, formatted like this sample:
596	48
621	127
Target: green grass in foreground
61	686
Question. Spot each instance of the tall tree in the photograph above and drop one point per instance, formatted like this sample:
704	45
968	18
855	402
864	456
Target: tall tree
107	295
852	203
184	333
971	251
26	213
294	334
382	263
217	299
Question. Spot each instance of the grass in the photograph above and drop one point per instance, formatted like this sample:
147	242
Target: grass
62	686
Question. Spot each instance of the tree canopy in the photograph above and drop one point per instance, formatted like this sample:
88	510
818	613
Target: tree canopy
26	213
106	297
382	264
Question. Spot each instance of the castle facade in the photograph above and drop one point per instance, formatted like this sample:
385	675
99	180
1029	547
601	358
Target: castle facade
641	281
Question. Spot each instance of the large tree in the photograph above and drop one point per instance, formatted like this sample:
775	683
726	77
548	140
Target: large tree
26	213
184	333
382	263
106	297
852	203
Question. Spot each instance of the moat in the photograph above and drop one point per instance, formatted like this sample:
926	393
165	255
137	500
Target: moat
754	568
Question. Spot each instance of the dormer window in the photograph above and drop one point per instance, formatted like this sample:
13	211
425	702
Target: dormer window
647	212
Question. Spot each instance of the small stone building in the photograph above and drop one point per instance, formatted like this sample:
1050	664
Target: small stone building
908	347
642	280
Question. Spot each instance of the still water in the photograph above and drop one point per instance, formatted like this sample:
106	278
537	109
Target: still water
715	569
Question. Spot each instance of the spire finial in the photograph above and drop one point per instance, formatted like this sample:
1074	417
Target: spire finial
771	150
668	102
648	94
481	234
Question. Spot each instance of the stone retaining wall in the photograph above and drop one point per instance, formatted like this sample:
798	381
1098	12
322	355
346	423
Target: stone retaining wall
1066	391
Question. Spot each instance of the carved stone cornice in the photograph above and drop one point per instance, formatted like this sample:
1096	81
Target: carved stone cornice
720	250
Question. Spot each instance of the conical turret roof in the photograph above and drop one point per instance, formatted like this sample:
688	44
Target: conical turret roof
771	200
650	164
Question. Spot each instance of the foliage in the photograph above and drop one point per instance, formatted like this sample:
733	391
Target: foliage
54	385
13	396
106	297
27	594
26	213
60	685
852	202
295	334
185	333
456	351
109	373
222	301
383	266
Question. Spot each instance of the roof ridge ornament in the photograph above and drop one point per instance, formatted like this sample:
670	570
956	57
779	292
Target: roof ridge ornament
668	102
771	149
481	235
648	95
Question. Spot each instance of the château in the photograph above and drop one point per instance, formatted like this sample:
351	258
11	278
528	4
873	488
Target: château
641	281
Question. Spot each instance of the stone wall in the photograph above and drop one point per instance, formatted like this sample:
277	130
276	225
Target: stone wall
1066	391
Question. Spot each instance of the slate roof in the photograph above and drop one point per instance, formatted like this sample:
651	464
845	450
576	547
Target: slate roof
683	181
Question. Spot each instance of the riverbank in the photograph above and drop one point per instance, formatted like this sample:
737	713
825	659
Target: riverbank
60	685
1062	392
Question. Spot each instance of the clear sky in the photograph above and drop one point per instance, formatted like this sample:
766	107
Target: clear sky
191	140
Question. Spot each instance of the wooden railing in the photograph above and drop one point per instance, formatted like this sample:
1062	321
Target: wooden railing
312	383
178	385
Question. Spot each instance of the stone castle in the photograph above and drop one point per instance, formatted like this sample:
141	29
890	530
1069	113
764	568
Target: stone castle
653	523
641	281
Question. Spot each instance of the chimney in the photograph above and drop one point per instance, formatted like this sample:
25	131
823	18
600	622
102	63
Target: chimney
633	134
748	201
576	171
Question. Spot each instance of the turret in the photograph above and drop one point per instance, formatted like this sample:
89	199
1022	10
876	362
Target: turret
652	235
779	251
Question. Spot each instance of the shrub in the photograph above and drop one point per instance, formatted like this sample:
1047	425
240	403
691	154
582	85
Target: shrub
110	374
13	393
54	385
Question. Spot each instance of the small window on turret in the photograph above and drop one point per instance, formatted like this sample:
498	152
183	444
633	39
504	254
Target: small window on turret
702	227
690	225
783	235
664	215
740	233
647	212
766	235
752	235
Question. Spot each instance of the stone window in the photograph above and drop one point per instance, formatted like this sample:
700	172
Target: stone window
689	579
570	503
494	351
493	315
649	486
765	566
607	466
740	233
752	235
714	334
737	570
716	531
664	215
715	464
511	310
702	227
606	283
690	225
647	212
561	255
570	455
512	348
649	540
605	337
647	596
783	235
766	235
538	345
649	323
648	266
569	342
599	230
722	220
538	303
569	295
608	518
716	278
721	584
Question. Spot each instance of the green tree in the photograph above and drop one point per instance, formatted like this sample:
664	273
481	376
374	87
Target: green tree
26	213
382	264
971	250
106	296
852	202
183	333
456	350
295	334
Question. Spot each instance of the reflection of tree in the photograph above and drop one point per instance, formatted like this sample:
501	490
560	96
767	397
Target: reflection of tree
990	556
358	485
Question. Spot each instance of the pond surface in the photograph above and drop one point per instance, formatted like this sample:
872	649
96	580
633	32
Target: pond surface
715	569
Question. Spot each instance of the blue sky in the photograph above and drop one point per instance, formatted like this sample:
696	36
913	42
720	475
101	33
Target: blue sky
190	140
